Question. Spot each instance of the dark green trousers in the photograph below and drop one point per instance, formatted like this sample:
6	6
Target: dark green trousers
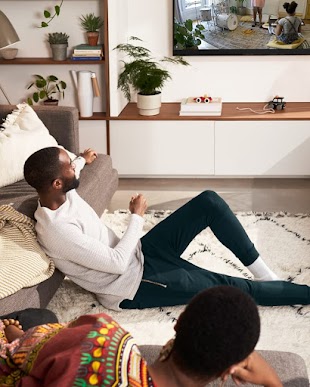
170	280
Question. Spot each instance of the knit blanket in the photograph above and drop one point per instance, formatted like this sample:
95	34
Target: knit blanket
22	261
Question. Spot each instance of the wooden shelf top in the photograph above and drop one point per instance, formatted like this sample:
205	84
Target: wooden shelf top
47	61
96	116
170	112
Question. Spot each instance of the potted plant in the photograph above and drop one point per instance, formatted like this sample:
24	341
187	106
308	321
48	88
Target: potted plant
46	87
59	44
186	36
91	24
241	9
145	75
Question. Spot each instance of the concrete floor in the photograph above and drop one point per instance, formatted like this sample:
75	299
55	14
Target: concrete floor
290	195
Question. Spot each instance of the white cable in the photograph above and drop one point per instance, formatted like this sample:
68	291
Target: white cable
265	110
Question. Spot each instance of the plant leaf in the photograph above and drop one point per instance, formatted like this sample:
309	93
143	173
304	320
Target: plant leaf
43	24
57	10
47	14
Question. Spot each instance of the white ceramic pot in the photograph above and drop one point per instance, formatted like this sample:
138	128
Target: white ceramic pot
149	105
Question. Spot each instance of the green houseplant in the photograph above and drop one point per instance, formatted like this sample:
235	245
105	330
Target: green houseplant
185	35
49	17
59	44
91	25
46	87
144	75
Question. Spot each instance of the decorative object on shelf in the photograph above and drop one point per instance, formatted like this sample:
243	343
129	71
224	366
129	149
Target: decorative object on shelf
87	52
277	103
59	44
8	36
191	107
49	16
8	53
46	87
186	36
145	75
91	24
87	87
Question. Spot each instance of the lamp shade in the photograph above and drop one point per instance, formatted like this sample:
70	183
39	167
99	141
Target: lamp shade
8	34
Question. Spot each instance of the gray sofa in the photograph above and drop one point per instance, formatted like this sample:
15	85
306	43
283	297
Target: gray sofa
98	182
290	367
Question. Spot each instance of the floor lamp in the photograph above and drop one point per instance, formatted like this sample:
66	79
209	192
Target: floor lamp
8	36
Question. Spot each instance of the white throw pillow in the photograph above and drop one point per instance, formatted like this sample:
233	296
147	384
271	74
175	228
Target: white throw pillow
23	134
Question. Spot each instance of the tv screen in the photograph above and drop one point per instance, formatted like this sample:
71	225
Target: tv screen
227	27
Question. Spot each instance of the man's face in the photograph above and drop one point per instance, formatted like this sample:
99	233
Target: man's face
67	172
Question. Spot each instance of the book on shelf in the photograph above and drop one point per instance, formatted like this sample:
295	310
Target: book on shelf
189	105
86	53
94	58
86	49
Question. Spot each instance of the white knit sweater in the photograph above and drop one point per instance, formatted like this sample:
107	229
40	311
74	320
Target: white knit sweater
89	253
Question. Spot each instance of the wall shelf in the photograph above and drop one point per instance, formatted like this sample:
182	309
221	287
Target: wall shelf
96	116
170	112
47	61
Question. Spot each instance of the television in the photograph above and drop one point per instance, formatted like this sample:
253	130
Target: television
225	27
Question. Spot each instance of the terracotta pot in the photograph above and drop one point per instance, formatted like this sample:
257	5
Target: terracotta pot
92	38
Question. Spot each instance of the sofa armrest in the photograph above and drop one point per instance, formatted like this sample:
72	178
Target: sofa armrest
290	367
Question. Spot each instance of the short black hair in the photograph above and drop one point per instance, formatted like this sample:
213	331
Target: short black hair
42	167
219	327
290	7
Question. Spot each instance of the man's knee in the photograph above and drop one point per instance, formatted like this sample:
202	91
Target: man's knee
212	199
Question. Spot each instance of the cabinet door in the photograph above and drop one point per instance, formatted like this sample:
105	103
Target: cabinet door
270	148
167	148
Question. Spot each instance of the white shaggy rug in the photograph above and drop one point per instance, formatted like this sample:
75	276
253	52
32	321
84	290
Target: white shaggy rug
282	239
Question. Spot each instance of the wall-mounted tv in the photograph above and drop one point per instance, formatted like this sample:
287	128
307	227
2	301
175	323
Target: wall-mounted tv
226	27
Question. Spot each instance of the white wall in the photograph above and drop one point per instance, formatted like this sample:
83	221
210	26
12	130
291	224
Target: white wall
234	78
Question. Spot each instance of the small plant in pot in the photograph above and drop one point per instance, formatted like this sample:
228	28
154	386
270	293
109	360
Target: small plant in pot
241	9
144	75
46	88
59	44
186	36
91	24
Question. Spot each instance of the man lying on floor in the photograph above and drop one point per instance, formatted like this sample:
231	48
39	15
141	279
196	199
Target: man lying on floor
139	273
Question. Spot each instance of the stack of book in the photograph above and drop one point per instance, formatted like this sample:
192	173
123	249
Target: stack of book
87	52
191	108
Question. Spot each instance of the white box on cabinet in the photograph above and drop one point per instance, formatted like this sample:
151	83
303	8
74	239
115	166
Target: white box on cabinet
262	148
162	148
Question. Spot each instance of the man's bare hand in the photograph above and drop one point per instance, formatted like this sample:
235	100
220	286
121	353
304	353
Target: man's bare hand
138	205
89	155
255	369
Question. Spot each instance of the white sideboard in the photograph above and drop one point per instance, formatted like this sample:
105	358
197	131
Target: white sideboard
234	144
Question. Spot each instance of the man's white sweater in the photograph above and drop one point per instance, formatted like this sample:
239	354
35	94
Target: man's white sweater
89	253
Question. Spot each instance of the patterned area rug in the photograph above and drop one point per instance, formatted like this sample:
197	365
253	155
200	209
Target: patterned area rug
282	239
243	37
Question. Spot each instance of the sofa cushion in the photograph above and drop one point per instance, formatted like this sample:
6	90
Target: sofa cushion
23	134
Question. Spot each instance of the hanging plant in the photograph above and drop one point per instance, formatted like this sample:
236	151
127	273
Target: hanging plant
49	16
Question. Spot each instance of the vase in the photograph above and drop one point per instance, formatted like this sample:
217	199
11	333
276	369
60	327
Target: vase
59	51
92	38
83	83
149	105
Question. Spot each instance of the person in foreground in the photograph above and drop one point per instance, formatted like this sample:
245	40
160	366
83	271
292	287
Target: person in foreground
288	28
215	338
133	273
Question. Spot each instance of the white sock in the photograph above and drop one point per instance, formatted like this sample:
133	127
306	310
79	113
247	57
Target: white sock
261	271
